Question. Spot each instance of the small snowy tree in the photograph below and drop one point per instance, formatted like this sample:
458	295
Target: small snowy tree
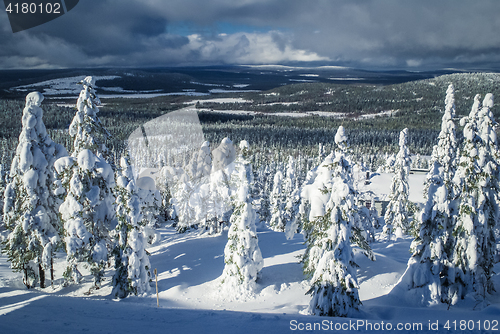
262	189
131	260
150	203
291	192
477	177
430	272
219	205
367	219
185	212
396	215
201	197
88	180
242	254
201	163
315	194
329	258
278	199
30	210
2	191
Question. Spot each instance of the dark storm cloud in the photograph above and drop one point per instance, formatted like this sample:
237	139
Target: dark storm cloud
369	33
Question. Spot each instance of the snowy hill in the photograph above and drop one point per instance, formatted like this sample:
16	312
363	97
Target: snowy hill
188	267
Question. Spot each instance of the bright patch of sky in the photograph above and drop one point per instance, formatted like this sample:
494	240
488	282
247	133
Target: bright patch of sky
186	28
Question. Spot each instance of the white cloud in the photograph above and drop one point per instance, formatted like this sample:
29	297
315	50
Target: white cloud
248	48
414	62
367	33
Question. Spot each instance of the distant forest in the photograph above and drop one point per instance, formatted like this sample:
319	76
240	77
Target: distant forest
416	105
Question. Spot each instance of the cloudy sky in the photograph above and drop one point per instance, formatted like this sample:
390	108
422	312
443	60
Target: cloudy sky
406	34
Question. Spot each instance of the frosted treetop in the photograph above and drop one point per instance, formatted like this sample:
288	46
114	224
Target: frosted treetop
34	98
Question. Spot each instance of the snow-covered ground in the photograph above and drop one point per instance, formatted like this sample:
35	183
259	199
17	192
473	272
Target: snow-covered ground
149	95
188	267
285	114
190	300
61	86
380	184
220	100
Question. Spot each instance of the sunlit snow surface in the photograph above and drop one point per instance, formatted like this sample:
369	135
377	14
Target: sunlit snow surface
188	267
62	86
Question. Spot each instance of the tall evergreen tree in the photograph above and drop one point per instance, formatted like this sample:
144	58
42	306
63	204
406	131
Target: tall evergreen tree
291	191
477	177
86	129
396	215
88	209
2	191
219	206
150	203
330	259
131	260
430	272
278	202
30	209
242	254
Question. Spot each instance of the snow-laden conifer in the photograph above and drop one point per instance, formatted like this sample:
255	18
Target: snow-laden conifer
201	163
242	256
329	259
150	203
430	272
88	211
262	187
315	195
291	191
278	202
219	206
3	184
86	129
200	180
30	208
396	215
132	266
477	178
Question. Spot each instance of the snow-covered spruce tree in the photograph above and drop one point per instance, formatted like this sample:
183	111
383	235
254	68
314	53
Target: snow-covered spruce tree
2	191
201	163
291	191
330	259
477	178
321	154
219	206
30	209
315	194
447	148
150	203
430	272
88	210
242	256
278	201
86	129
200	180
396	215
367	220
261	189
185	212
131	260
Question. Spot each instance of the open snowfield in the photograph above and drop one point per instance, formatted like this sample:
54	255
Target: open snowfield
188	267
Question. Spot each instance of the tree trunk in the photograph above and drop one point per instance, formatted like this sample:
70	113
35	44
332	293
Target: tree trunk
26	277
52	272
41	273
